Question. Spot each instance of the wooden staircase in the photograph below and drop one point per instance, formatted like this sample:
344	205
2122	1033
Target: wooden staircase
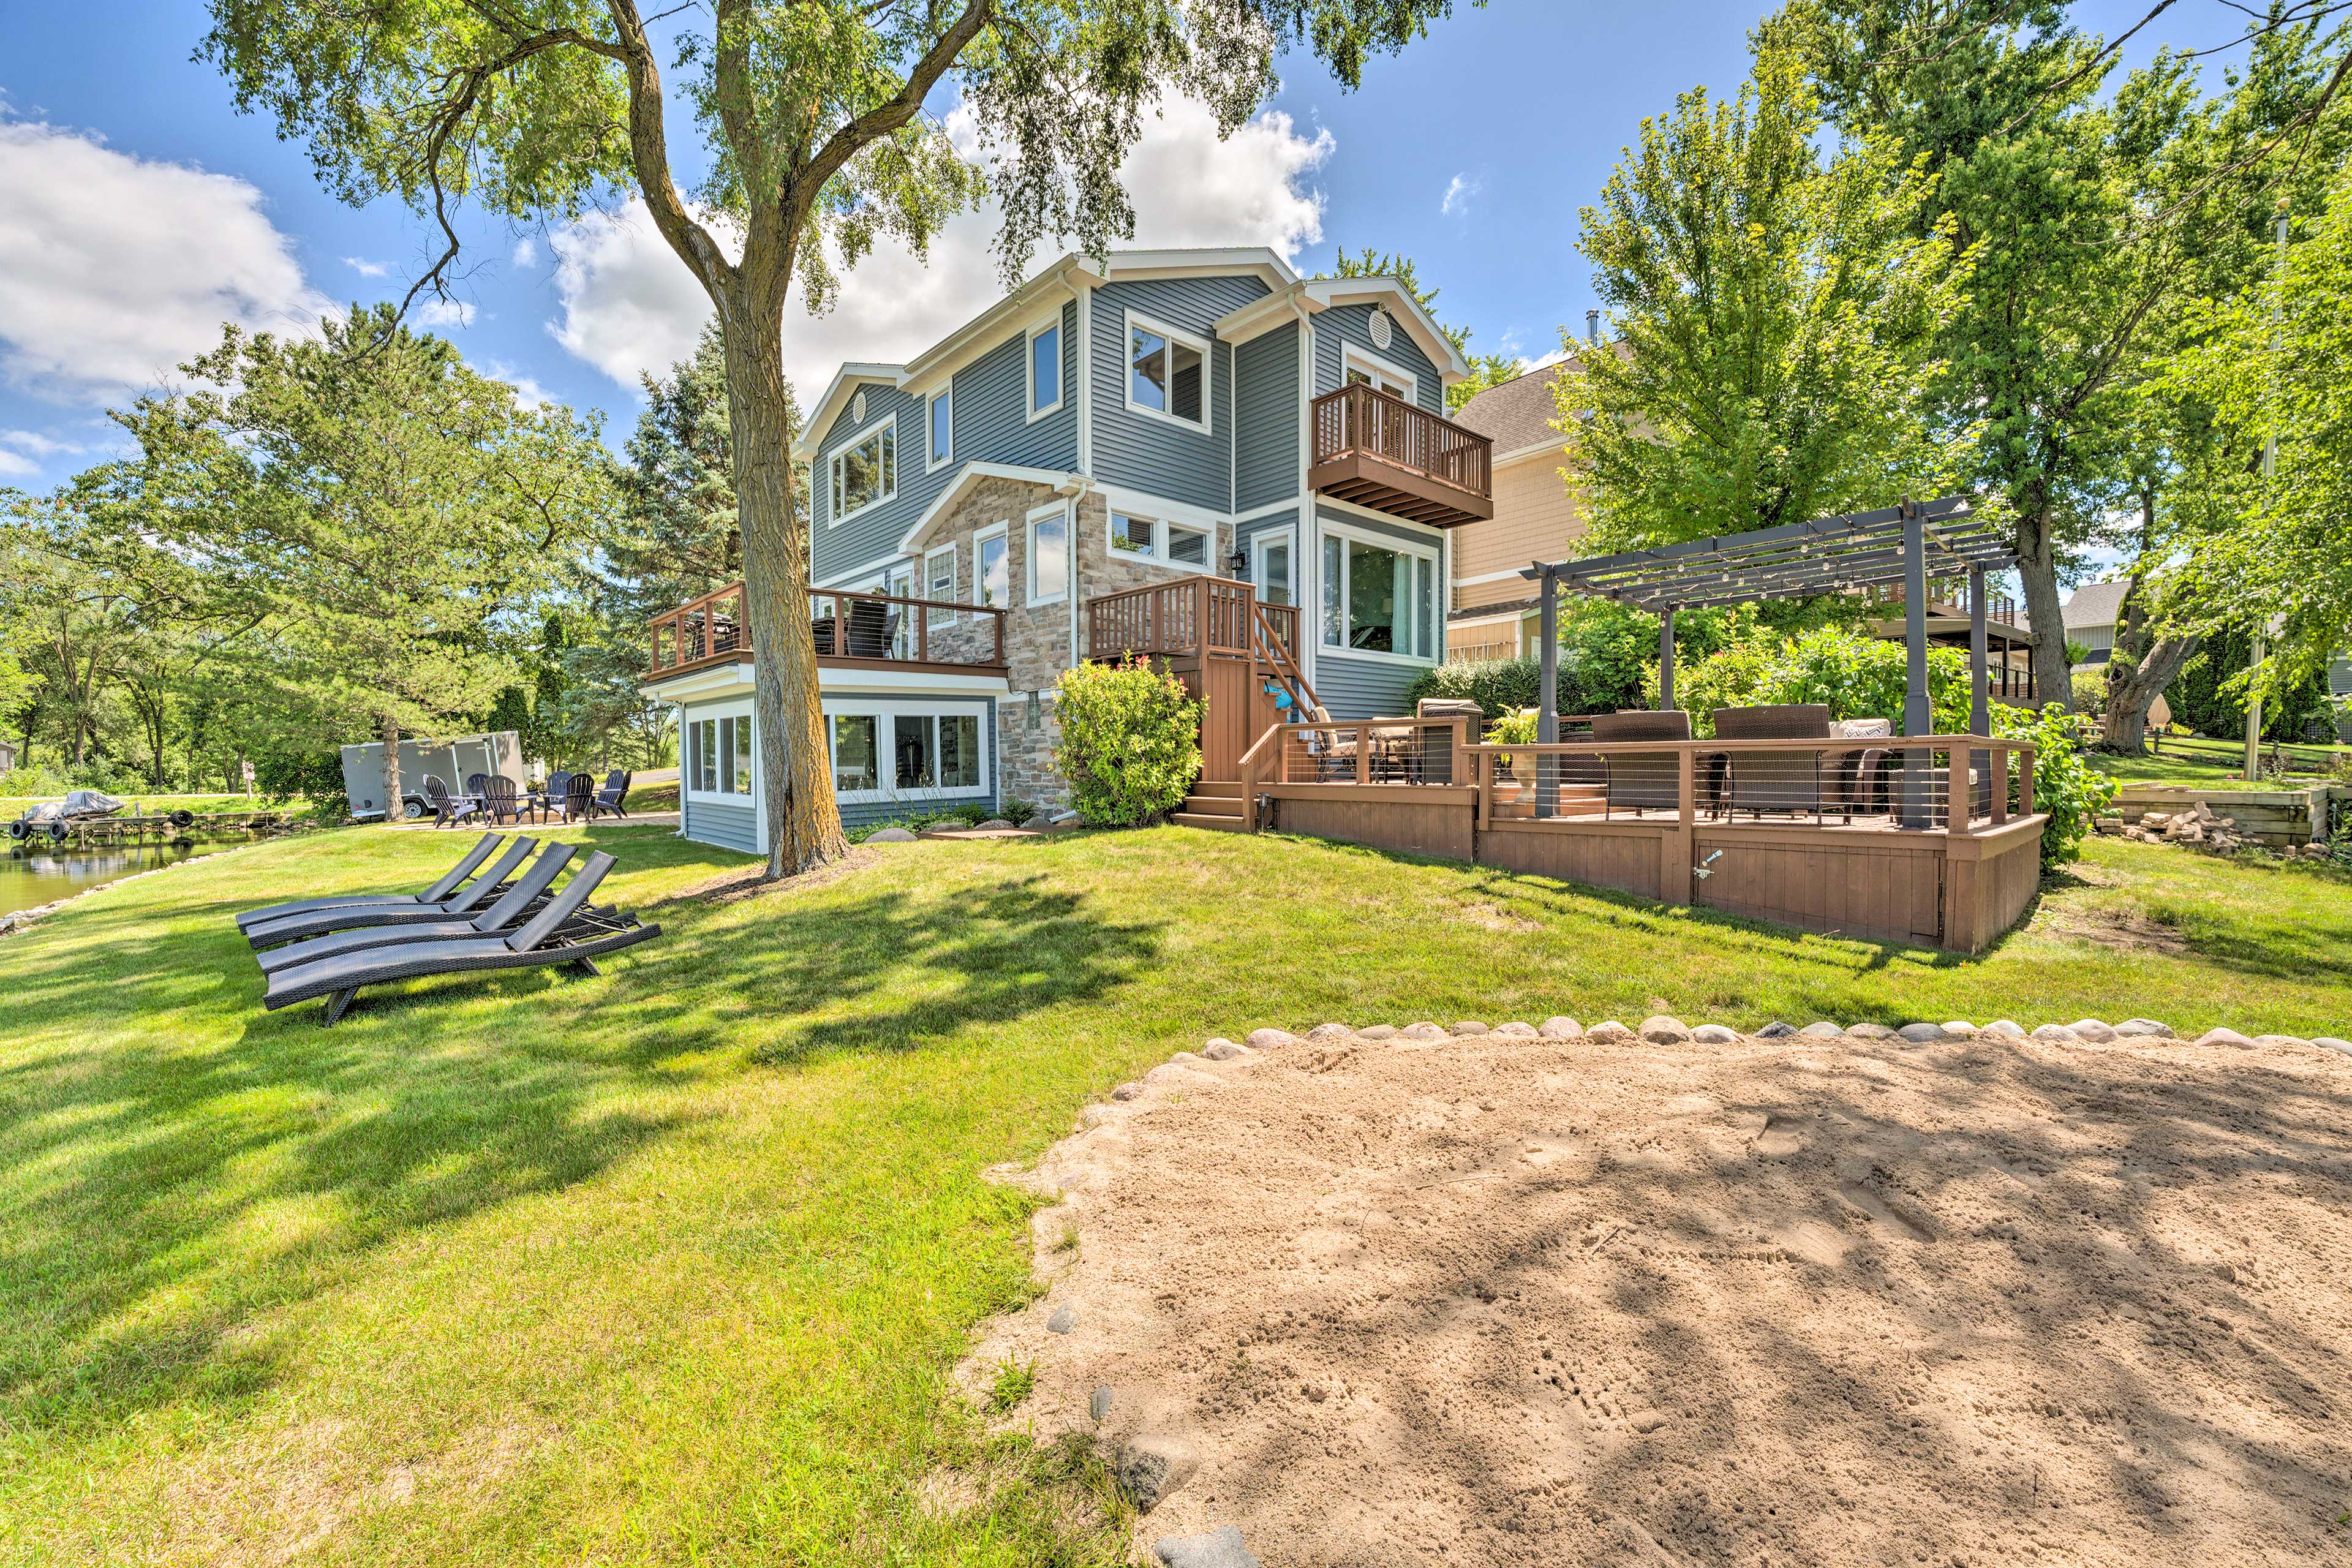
1215	804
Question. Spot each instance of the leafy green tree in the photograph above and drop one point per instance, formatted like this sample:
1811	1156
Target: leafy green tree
1775	309
392	513
814	129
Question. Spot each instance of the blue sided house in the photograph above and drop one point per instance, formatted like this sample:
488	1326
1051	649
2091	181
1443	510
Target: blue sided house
1194	455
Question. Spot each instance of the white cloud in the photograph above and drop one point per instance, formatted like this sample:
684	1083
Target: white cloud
113	269
1460	192
366	268
14	466
438	313
528	393
37	444
526	252
629	306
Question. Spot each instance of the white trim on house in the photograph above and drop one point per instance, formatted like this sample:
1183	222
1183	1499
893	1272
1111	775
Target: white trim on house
1159	554
1033	594
1554	448
1119	497
892	681
1086	378
1053	324
701	686
1289	538
1372	364
834	516
1485	577
1169	337
837	393
934	459
741	712
1263	315
960	487
1431	551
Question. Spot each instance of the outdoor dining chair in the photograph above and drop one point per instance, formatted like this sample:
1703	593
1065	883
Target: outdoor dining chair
615	791
870	629
1775	781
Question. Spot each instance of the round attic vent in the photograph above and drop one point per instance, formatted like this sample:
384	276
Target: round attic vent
857	409
1382	332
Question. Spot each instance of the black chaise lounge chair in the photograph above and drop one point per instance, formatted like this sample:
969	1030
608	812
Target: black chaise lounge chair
562	933
439	890
458	906
514	906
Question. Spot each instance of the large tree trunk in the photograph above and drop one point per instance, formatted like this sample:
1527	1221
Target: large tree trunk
796	764
2037	568
392	812
2129	696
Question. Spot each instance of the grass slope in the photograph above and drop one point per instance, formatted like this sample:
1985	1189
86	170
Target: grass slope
2205	764
669	1266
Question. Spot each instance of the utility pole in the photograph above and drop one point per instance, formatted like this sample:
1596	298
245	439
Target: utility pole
2270	468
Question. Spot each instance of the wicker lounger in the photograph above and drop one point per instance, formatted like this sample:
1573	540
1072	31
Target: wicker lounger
318	922
555	936
513	907
439	890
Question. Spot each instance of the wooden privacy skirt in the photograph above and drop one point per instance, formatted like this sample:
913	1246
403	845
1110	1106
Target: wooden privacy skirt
1926	888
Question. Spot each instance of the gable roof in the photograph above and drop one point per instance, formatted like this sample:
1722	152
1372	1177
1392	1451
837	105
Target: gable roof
1059	279
1312	296
1517	415
2094	605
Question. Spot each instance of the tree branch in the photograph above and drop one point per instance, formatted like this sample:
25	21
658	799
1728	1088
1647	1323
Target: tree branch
888	116
649	154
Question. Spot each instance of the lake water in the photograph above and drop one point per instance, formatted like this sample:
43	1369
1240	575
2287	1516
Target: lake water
30	876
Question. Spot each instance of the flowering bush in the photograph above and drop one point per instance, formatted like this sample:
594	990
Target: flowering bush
2064	785
1129	742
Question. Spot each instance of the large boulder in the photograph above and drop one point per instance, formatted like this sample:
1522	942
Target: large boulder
1560	1027
1661	1031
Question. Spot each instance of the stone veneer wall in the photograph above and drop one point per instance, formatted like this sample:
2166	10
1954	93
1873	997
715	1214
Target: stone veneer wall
1036	639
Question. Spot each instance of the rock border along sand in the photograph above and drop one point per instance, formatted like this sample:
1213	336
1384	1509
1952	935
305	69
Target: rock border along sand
1141	1438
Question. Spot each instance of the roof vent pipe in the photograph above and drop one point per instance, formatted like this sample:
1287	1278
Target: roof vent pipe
1592	326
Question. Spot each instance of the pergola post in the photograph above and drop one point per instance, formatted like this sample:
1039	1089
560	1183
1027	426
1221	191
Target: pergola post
1980	687
1547	693
1666	656
1918	716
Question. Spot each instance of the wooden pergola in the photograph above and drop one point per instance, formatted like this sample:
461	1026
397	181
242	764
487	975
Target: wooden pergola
1903	546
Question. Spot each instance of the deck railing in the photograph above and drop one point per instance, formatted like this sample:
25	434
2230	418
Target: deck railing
846	625
1358	420
1191	615
1897	783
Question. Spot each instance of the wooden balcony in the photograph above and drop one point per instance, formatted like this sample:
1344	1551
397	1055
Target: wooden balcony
853	630
1184	617
1384	453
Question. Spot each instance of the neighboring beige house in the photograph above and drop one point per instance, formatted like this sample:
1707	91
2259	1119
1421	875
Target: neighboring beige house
1491	614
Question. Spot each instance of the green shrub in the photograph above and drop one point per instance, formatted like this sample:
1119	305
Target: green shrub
1855	675
2064	785
1498	686
318	775
1129	741
2091	692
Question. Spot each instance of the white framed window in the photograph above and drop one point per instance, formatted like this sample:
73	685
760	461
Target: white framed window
940	581
1359	368
715	756
1379	596
991	566
906	748
1167	373
1045	355
1188	546
1049	555
940	423
865	471
1272	574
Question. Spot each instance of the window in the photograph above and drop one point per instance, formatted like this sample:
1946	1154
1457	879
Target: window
939	583
1273	569
1379	599
943	428
853	761
935	750
717	755
1045	368
992	567
865	472
1167	374
1132	535
1171	543
959	750
910	751
1049	556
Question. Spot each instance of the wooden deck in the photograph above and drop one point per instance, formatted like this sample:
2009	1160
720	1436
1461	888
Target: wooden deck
1868	853
853	630
1387	454
1230	649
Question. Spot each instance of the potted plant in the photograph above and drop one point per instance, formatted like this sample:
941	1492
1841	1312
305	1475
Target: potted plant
1512	729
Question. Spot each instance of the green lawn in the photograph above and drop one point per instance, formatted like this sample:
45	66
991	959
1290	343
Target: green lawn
670	1266
2210	764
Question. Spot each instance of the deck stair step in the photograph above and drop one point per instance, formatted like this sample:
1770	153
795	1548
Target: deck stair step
1218	789
1213	806
1215	824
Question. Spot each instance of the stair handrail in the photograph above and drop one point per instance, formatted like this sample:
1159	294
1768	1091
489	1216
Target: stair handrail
1252	765
1272	649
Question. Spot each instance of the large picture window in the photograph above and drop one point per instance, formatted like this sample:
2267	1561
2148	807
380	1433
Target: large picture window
890	749
1167	373
1378	598
865	471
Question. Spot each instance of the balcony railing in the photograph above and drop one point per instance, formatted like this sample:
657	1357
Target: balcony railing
1385	453
851	628
1193	614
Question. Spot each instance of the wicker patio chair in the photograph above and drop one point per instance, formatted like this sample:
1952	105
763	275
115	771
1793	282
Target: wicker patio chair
563	934
1776	780
1644	781
448	885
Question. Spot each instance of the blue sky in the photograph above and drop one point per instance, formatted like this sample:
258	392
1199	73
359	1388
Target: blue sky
138	209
